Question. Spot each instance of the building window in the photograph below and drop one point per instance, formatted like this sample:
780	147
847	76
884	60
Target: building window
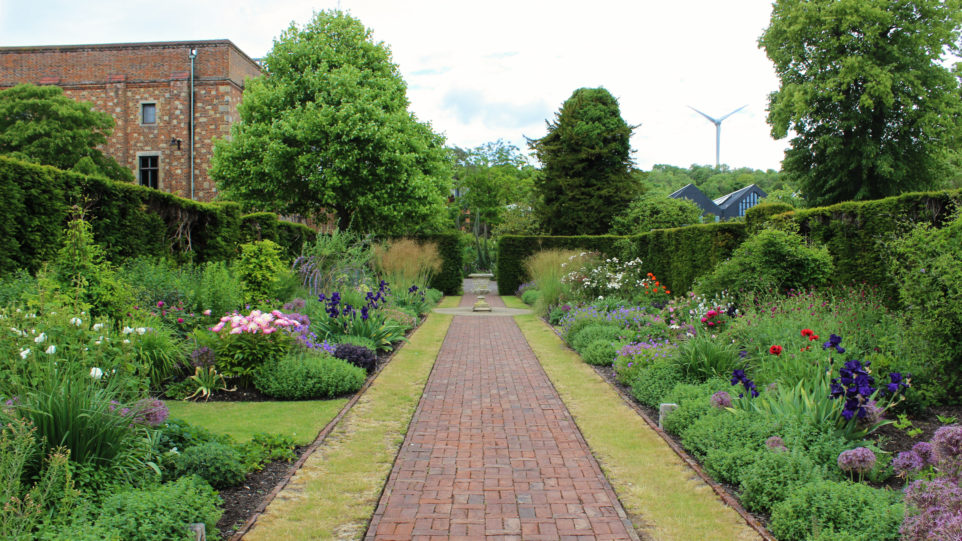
149	171
148	113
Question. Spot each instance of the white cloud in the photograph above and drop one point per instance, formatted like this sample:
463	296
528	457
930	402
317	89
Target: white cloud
479	72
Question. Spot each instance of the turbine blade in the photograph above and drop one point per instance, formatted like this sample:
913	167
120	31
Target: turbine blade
733	112
706	116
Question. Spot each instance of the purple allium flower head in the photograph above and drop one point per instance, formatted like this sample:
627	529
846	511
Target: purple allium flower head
202	357
858	460
873	413
721	400
907	462
155	412
295	305
933	510
947	442
925	451
776	444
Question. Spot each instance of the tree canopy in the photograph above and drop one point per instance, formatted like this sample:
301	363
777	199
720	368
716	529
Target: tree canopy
488	178
40	124
655	211
327	128
586	165
865	90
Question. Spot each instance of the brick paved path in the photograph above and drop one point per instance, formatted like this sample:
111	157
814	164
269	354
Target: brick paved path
492	452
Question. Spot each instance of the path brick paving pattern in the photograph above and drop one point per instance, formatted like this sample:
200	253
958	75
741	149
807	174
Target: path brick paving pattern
492	452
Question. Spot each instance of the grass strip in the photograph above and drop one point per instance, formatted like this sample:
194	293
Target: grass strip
241	420
334	494
665	499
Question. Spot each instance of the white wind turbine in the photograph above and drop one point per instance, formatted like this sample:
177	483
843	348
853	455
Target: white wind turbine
717	122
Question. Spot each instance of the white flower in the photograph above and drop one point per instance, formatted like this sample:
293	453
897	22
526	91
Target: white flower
18	332
98	326
76	321
141	330
96	373
24	352
126	341
39	339
96	342
127	330
51	350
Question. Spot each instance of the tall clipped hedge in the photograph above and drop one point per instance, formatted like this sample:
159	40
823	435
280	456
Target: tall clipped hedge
856	232
128	220
514	249
266	226
449	248
677	256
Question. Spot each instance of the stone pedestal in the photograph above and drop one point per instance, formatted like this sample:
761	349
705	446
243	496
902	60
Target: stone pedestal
663	410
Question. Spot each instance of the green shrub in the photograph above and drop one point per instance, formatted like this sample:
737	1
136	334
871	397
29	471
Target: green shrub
771	258
653	382
600	352
217	463
702	357
530	296
598	331
81	266
177	433
161	513
357	341
757	217
263	448
401	316
308	375
655	211
86	417
160	352
853	509
16	287
556	314
260	268
728	442
632	357
50	498
240	355
773	476
218	289
927	266
693	403
158	279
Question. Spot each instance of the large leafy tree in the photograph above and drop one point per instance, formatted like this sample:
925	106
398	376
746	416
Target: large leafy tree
586	165
40	124
866	92
327	129
489	181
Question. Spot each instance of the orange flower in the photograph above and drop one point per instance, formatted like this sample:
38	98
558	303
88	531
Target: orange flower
669	292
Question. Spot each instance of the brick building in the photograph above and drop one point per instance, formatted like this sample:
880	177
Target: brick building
146	87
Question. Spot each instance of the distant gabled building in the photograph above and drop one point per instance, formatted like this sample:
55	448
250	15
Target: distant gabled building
735	204
693	194
726	207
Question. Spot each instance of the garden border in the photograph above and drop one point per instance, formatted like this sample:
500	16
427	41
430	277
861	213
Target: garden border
321	437
726	497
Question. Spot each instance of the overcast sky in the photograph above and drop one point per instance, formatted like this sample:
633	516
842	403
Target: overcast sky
479	71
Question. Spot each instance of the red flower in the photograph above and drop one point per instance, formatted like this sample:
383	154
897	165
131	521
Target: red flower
807	332
775	350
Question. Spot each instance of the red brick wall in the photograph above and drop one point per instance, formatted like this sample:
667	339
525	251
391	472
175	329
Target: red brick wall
117	79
